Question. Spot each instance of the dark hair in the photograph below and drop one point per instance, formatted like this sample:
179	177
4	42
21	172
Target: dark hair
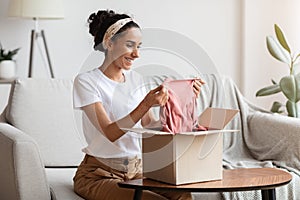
99	22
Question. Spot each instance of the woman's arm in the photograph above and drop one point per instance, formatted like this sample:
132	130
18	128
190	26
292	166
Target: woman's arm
148	120
98	116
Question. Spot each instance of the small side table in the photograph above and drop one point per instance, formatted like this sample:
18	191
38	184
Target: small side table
246	179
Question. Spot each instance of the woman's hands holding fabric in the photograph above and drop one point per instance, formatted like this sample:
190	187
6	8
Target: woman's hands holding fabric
197	86
156	97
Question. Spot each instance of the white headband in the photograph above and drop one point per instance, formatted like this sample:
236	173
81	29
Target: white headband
113	29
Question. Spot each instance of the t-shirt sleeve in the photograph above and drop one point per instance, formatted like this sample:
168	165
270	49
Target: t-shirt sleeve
84	92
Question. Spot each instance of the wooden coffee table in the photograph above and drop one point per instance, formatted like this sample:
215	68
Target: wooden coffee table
246	179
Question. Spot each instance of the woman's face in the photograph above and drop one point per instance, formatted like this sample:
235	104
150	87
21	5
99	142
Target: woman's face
125	49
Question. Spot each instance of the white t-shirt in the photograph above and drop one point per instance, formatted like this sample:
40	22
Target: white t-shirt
118	100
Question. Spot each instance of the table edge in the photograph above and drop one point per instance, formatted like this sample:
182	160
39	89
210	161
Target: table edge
231	189
208	189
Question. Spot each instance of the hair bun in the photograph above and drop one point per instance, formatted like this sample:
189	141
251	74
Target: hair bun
96	20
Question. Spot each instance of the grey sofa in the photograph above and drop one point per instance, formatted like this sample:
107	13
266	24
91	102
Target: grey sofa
41	140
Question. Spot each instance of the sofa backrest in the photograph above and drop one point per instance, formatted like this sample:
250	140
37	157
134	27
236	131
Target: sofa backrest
43	109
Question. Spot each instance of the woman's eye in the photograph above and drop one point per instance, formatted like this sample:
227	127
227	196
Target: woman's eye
132	45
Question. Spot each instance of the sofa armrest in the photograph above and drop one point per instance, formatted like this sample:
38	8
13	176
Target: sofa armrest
274	137
21	168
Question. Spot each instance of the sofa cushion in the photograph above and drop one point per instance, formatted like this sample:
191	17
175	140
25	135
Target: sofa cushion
43	109
61	184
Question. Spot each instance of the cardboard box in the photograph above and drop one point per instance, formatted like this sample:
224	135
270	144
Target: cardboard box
190	156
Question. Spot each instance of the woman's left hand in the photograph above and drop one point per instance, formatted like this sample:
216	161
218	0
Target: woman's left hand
197	86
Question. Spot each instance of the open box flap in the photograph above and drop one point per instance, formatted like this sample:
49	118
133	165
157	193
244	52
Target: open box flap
216	118
150	131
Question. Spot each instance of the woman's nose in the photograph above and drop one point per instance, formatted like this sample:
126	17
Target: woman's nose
136	53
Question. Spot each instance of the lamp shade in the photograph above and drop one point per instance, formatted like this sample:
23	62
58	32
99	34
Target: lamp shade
40	9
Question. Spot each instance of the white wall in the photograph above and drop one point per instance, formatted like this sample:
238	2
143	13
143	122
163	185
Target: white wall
212	24
259	66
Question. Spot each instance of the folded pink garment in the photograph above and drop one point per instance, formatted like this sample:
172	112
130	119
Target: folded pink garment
179	113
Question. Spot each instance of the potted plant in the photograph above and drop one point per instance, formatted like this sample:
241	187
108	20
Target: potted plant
7	64
289	85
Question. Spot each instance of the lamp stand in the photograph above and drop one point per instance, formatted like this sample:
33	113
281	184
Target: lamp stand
35	34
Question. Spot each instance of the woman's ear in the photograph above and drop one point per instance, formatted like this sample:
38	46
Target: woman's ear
109	44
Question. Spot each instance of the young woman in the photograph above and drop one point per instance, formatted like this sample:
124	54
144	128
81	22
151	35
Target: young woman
112	97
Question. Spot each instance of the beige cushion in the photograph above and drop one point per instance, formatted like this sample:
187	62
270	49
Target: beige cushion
61	184
43	109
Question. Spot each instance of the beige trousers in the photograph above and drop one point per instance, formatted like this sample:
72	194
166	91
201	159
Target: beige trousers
95	180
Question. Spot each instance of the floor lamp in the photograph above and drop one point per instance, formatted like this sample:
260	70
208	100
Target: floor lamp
37	10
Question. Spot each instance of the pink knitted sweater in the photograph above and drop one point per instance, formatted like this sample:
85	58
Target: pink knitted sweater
179	113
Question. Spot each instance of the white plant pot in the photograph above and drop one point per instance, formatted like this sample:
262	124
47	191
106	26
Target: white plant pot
7	69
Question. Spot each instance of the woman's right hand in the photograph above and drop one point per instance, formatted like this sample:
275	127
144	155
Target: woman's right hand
156	97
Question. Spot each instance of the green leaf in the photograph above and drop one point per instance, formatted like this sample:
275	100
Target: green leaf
15	51
272	89
281	38
274	82
276	106
297	81
290	86
291	108
296	61
277	51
